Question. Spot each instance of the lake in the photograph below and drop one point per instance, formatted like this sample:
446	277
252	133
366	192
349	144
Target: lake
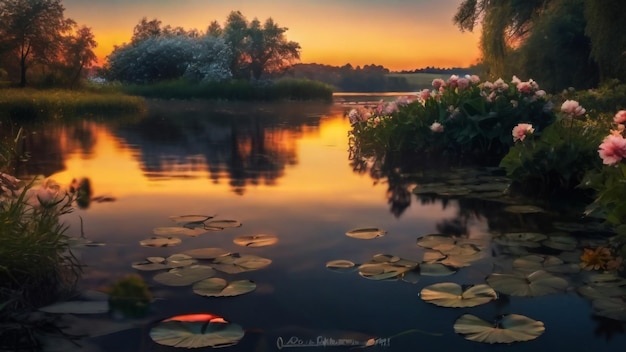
285	169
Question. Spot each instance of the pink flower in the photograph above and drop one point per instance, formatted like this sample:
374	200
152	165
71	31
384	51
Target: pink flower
524	87
390	108
613	149
620	117
516	80
463	83
453	81
473	78
488	85
521	131
358	115
436	127
425	94
438	83
500	85
572	108
540	93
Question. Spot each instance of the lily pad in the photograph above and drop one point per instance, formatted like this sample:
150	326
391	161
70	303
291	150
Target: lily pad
185	276
196	331
366	233
183	219
521	239
601	292
77	307
206	253
523	209
561	241
178	231
510	328
217	287
234	263
173	261
256	240
537	283
161	242
449	294
341	265
549	263
381	271
222	224
435	269
612	308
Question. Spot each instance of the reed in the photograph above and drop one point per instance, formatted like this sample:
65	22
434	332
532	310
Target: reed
33	104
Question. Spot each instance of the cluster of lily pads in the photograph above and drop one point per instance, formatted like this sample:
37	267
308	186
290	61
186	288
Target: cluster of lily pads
523	270
198	268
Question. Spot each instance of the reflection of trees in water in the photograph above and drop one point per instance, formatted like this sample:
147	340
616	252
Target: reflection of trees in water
49	144
247	144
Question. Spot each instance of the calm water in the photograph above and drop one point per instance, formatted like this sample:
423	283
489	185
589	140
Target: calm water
285	169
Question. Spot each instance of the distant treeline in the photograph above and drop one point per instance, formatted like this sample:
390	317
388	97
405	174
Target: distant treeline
369	78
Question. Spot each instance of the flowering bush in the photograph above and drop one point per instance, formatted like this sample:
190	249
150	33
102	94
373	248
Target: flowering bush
559	158
460	115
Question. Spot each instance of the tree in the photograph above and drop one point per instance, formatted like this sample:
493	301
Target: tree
608	44
146	29
32	31
258	49
269	51
236	35
215	29
79	52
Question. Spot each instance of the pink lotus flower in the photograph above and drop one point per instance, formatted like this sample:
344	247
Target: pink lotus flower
488	85
438	83
436	127
390	108
572	108
453	81
613	149
540	93
521	131
620	117
500	85
516	80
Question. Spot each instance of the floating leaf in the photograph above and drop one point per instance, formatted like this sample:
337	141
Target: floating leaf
538	283
234	263
612	308
161	242
222	224
437	242
178	231
206	253
601	292
182	219
207	331
366	233
510	328
381	271
499	187
173	261
77	307
185	276
608	279
435	269
561	241
217	287
523	209
341	265
256	240
549	263
522	239
449	294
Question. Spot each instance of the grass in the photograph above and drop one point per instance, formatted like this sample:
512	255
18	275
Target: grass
31	104
284	89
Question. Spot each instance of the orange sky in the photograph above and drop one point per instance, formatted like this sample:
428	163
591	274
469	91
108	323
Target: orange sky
398	34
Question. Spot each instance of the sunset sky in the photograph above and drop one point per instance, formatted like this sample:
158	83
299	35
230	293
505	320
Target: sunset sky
398	34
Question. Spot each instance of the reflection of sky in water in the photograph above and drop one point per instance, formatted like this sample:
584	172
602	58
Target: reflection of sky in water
309	205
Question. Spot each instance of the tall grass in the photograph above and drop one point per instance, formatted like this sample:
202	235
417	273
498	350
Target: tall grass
284	89
31	104
35	261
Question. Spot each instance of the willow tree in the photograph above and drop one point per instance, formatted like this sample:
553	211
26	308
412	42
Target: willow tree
605	22
505	25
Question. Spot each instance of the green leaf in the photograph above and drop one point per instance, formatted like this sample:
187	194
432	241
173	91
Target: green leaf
449	294
510	328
